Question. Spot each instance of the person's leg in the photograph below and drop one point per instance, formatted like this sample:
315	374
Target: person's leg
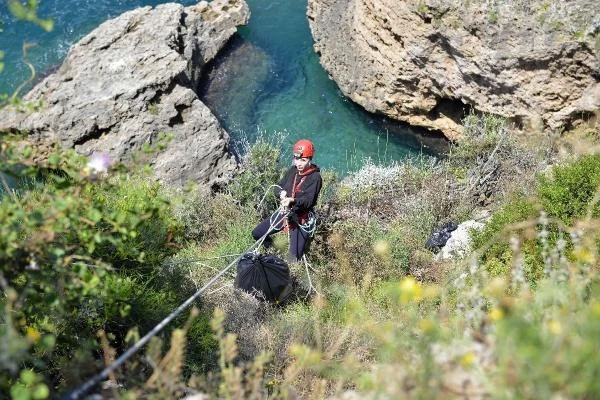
265	228
298	240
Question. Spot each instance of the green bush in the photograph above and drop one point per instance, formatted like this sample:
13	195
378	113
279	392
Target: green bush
565	197
481	135
140	202
74	252
518	209
548	346
360	252
488	156
261	167
206	217
568	193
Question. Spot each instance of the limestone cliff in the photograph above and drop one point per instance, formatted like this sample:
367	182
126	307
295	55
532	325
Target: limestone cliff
133	78
426	62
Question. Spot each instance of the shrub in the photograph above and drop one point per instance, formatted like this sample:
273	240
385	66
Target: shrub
388	193
261	167
569	192
141	202
487	157
362	252
547	345
74	248
207	216
566	196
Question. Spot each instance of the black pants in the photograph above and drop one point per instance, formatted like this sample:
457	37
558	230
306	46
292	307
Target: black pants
298	238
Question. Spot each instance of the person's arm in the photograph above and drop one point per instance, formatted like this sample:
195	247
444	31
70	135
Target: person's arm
282	185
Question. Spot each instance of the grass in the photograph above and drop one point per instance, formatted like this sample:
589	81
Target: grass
517	318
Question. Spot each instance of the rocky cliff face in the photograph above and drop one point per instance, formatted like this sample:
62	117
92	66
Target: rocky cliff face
426	62
132	79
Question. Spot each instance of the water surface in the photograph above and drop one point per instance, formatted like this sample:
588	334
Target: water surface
278	86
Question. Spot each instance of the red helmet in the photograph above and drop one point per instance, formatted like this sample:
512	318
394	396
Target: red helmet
304	148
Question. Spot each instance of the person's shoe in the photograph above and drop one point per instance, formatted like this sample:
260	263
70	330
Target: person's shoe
267	243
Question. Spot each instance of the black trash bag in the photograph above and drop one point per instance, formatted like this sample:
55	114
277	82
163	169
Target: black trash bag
439	238
266	276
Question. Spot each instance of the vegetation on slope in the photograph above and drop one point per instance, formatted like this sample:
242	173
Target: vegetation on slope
92	259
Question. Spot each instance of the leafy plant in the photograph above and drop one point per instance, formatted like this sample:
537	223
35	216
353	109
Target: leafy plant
74	252
572	190
262	167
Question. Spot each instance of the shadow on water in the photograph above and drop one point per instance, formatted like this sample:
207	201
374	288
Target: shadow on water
234	83
417	139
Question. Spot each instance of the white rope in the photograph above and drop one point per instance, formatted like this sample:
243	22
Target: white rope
96	379
219	288
209	267
266	193
92	382
311	288
199	260
281	213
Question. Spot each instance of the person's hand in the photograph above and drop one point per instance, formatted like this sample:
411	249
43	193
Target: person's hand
286	201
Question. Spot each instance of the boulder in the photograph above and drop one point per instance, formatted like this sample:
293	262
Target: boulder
134	78
428	62
459	243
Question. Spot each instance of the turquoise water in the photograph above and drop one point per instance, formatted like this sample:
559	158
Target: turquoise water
282	89
73	19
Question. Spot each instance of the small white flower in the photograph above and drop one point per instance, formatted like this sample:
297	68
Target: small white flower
98	163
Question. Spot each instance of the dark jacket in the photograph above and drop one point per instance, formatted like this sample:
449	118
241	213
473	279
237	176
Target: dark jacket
304	188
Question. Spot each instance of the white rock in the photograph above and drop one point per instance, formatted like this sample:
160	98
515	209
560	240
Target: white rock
459	244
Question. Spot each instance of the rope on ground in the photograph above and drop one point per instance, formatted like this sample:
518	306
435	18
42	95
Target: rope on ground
219	288
209	267
106	372
311	288
95	380
199	260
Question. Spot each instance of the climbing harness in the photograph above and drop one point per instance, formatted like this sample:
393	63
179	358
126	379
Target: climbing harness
284	216
310	226
306	221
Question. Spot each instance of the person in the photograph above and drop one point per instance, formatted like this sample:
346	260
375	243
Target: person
297	192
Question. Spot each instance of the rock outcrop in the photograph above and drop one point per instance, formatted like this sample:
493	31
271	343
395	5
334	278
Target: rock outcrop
134	78
427	62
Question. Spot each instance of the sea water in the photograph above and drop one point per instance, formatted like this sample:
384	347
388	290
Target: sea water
283	92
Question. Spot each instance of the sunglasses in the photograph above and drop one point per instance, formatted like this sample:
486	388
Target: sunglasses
301	158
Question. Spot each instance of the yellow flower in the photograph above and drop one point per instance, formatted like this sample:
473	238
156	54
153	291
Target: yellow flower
496	314
467	359
554	327
32	334
410	290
